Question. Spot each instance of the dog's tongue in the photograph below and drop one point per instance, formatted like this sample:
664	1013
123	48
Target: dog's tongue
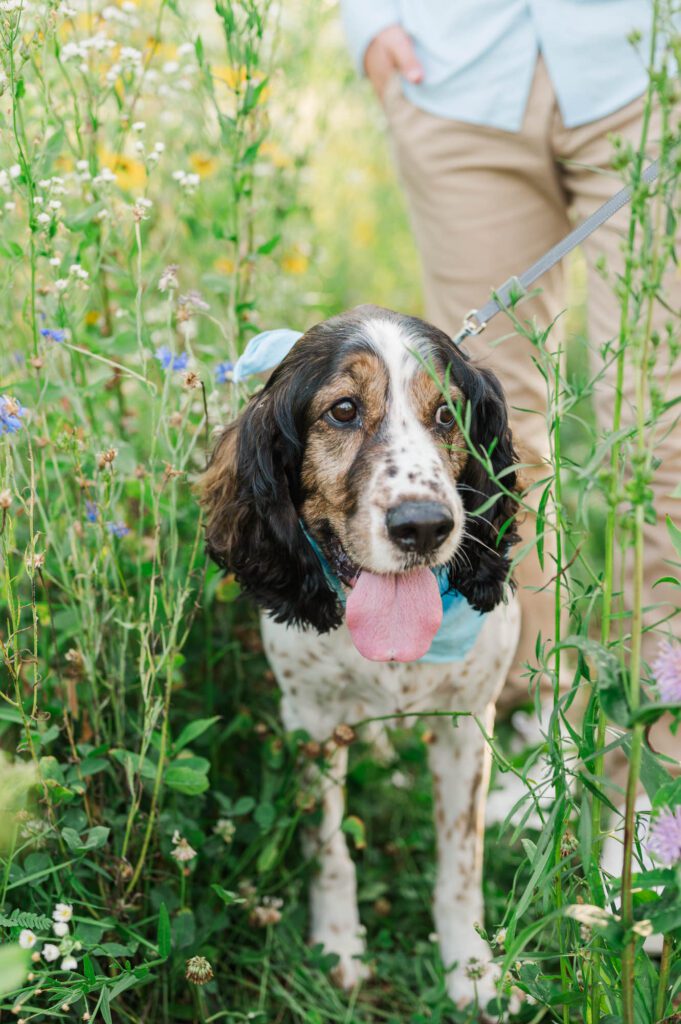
394	618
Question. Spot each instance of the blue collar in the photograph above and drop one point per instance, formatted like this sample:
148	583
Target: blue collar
460	625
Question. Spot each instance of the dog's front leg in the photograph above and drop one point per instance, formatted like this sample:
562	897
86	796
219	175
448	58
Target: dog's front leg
334	915
460	763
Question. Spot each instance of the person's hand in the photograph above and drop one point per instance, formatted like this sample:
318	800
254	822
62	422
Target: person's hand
389	52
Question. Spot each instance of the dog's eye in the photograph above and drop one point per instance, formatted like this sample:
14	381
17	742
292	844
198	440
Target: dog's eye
344	411
444	417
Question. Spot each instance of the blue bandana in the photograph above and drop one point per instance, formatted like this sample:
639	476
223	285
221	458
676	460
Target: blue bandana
461	624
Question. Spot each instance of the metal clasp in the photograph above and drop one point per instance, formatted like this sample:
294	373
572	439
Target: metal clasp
471	324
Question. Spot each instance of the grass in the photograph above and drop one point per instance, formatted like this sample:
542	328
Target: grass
169	186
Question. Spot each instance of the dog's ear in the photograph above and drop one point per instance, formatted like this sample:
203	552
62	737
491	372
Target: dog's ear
482	565
252	528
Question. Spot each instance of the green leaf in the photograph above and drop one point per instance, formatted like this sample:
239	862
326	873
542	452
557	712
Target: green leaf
269	854
265	815
674	535
163	932
185	780
354	827
227	897
193	730
104	1006
269	246
94	838
14	966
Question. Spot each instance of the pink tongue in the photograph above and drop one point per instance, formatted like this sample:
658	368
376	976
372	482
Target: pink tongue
394	618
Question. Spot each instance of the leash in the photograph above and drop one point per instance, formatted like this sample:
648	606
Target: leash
515	288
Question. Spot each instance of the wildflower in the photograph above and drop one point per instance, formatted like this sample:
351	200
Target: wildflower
27	938
170	362
11	412
224	372
69	963
475	969
5	499
43	218
191	381
167	282
91	511
50	952
198	970
183	851
266	913
35	562
194	302
138	126
664	841
53	333
107	458
344	735
140	210
61	284
667	672
75	270
225	829
118	529
60	929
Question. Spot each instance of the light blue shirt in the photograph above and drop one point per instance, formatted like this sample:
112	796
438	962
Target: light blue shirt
479	56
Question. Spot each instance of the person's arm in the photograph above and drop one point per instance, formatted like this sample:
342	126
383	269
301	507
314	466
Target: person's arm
379	45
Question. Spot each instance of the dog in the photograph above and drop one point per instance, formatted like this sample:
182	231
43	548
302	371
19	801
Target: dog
358	509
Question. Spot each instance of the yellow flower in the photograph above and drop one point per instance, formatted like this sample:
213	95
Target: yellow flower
203	164
92	317
233	78
130	174
274	152
294	262
224	265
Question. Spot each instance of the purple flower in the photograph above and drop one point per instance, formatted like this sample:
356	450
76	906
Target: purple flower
667	672
53	333
118	529
170	362
91	511
223	372
11	411
664	840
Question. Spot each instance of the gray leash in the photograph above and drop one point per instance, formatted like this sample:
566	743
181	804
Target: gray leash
516	287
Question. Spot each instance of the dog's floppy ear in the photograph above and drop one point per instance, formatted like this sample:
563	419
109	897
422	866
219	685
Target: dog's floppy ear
253	529
482	565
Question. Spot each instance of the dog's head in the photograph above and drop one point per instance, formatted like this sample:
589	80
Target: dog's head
353	438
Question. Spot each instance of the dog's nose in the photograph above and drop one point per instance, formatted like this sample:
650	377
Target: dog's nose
419	526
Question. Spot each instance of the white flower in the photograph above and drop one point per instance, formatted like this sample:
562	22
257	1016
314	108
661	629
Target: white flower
168	279
183	851
62	912
82	165
14	171
75	270
69	963
139	147
60	929
61	284
159	147
139	126
43	218
54	204
50	952
10	206
55	261
27	938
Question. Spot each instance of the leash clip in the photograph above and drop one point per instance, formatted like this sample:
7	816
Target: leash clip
471	324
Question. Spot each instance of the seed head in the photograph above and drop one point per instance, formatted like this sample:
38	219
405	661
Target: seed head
344	735
198	970
5	499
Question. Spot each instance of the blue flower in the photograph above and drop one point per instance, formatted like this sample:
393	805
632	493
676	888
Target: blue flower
170	362
118	529
91	511
53	333
11	412
223	372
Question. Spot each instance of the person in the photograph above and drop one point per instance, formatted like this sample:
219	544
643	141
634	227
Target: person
501	115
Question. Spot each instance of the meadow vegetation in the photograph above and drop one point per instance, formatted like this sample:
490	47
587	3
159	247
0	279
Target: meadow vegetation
175	177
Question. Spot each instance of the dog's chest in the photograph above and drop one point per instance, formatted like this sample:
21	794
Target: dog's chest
326	681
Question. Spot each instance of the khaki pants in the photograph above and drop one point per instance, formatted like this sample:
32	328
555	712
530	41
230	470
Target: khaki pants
484	205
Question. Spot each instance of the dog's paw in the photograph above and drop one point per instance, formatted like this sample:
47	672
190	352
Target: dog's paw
349	972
